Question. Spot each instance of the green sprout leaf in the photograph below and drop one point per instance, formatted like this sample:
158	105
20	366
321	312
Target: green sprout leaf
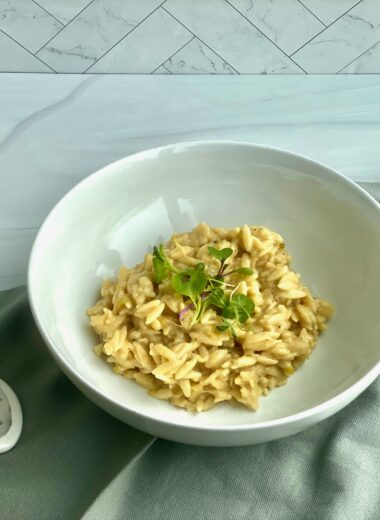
217	298
161	264
161	270
227	325
220	254
244	307
190	282
246	271
224	326
229	312
240	308
158	252
205	290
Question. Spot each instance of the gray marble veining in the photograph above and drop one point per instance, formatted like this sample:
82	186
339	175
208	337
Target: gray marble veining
91	34
161	70
343	41
147	47
27	23
64	10
366	63
230	35
288	24
329	10
190	36
197	58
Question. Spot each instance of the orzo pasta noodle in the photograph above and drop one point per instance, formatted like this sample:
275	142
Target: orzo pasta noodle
214	315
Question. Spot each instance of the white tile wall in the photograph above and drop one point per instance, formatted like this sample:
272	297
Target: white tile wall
343	41
329	10
190	36
27	23
197	58
144	49
63	10
368	62
91	34
14	58
229	34
161	70
287	23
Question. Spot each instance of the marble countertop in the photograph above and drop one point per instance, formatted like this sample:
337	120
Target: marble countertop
55	130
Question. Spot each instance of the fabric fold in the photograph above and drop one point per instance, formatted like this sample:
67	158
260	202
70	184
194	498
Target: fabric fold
74	461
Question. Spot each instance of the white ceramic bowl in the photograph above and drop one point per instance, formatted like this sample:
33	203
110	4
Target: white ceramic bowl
330	226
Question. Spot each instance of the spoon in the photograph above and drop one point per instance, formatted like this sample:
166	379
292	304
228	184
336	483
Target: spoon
10	417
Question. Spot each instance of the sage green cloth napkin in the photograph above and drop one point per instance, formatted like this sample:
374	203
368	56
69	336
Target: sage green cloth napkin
74	461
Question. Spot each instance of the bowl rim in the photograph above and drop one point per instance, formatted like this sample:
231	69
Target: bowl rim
326	408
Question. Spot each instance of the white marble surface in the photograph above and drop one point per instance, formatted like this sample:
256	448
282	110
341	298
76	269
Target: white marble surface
55	130
329	10
343	41
287	23
105	22
224	36
197	58
367	63
15	17
232	36
145	48
64	10
161	70
15	58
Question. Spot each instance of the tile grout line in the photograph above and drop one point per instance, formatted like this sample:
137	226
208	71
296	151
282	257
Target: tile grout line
47	12
327	26
265	36
311	12
357	57
121	39
194	36
185	73
64	27
174	53
204	43
29	52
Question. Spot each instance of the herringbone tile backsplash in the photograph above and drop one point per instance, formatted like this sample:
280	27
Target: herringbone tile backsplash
190	36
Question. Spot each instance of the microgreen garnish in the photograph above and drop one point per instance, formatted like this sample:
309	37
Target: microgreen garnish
239	308
204	290
190	282
217	298
246	271
161	264
227	325
221	255
224	326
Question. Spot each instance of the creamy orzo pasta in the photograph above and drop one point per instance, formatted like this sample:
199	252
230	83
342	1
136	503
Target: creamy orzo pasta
214	315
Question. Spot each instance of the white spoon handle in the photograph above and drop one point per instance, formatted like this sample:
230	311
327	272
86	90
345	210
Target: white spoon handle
10	438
